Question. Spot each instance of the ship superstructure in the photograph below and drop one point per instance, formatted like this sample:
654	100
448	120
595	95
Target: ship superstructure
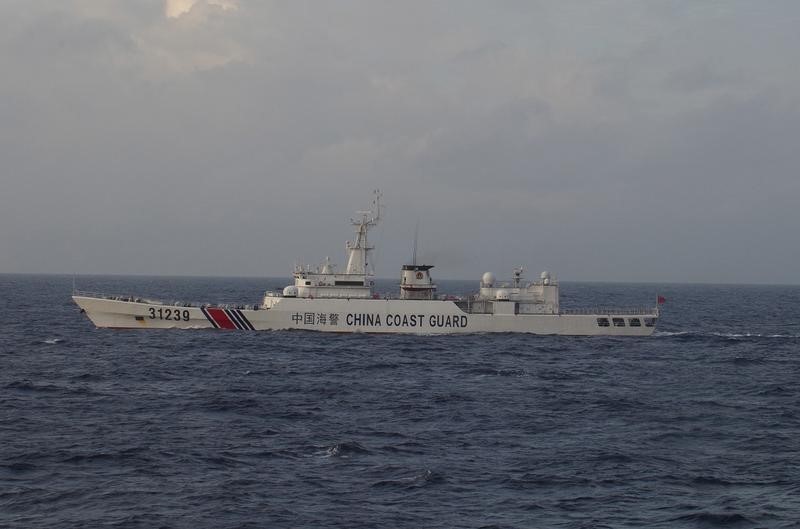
358	278
323	299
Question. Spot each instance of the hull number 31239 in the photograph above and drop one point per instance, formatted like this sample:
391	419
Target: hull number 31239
168	314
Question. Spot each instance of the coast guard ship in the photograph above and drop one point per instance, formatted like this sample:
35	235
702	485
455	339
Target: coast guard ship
322	299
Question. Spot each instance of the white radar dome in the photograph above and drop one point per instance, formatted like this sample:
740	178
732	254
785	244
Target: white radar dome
501	295
545	277
290	292
488	279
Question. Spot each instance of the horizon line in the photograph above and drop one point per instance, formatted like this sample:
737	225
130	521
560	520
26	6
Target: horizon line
202	276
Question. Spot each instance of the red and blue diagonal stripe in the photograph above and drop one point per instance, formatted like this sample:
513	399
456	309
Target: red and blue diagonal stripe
227	318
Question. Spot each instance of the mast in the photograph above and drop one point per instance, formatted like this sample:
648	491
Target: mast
416	236
358	250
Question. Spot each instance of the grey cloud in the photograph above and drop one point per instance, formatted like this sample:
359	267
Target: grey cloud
617	140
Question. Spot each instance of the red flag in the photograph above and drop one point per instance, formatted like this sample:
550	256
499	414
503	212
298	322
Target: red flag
661	300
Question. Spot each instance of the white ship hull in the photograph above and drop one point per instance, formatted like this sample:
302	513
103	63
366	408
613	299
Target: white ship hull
359	315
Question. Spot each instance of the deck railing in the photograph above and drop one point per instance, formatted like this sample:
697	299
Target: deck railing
136	299
469	305
102	295
639	311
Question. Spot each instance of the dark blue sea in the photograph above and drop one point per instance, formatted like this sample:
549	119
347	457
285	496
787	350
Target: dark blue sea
697	426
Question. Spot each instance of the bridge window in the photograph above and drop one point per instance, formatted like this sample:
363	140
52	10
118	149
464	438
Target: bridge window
618	322
602	322
649	322
635	322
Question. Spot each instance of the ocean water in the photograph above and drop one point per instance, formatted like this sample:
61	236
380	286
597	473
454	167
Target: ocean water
697	426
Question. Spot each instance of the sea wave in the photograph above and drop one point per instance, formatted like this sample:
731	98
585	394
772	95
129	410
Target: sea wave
291	429
725	335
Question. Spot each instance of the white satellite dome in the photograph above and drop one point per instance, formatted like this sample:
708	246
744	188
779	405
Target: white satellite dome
290	292
501	295
488	279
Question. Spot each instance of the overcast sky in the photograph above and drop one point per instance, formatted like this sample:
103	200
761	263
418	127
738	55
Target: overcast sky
600	140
